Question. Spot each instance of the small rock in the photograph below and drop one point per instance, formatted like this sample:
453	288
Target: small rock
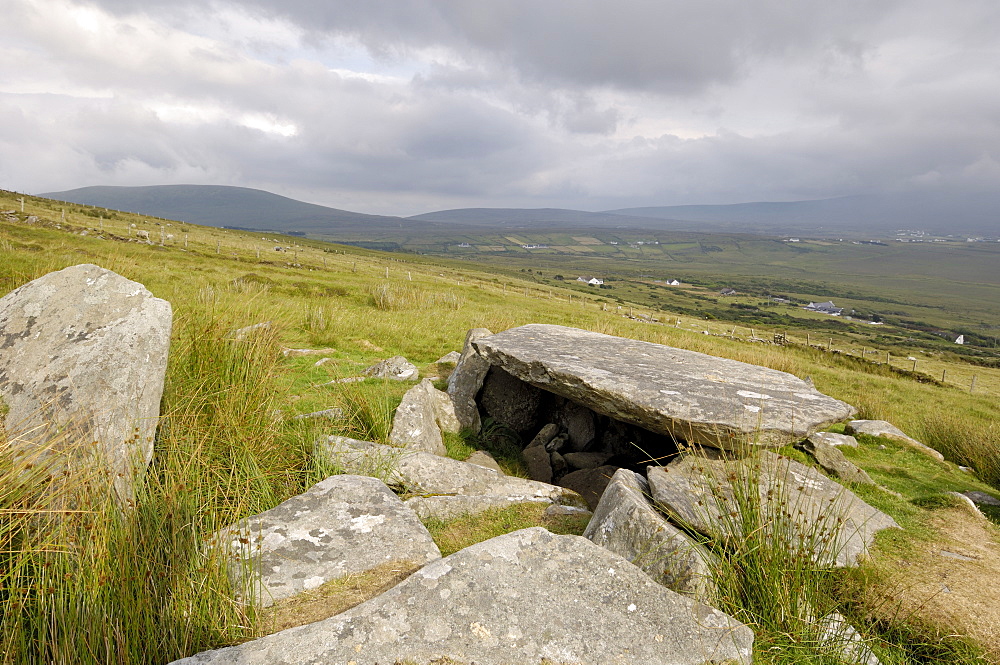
586	460
546	434
243	333
833	461
321	362
450	358
834	439
556	510
982	498
837	634
889	431
297	353
396	368
333	414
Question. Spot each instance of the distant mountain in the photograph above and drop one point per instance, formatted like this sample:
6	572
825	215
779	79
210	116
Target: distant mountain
536	218
941	212
238	207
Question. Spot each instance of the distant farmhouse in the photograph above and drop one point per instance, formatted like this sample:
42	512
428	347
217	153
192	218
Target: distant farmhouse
824	308
728	292
593	281
672	282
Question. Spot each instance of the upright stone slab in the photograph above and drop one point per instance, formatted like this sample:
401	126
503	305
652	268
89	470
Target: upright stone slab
414	424
519	599
340	526
83	353
691	396
626	523
466	380
795	501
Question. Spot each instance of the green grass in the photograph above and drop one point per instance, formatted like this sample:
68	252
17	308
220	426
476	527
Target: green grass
140	586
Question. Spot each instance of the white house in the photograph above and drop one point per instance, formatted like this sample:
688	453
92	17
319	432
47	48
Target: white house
672	282
593	281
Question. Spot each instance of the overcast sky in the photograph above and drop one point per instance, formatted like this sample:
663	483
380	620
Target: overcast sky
408	106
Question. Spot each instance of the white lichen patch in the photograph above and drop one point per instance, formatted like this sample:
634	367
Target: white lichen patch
312	582
808	396
752	408
749	394
365	523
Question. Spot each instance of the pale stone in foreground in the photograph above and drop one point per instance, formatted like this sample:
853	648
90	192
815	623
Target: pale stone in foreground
414	424
340	526
626	523
691	396
83	354
516	599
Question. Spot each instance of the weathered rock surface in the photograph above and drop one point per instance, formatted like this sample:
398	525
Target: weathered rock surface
536	458
341	526
691	396
424	473
509	400
792	498
626	523
589	483
457	505
833	461
981	498
517	599
834	439
396	368
889	431
586	460
466	380
83	353
416	423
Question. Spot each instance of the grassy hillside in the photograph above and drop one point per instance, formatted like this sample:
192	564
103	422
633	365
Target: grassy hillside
140	589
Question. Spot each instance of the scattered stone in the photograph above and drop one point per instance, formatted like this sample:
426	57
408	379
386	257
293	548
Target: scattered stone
687	395
510	401
834	439
833	461
521	598
966	501
396	368
953	555
297	353
341	526
332	414
84	353
321	362
794	499
243	333
558	443
483	458
626	523
348	379
589	483
586	460
415	424
982	498
546	434
450	358
539	465
467	379
426	474
889	431
559	465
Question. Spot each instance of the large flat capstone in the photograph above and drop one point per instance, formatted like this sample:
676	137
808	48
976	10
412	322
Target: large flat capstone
523	598
341	526
691	396
83	354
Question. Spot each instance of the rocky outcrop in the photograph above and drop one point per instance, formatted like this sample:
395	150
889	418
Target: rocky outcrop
523	598
889	431
626	523
466	380
84	353
341	526
439	478
798	504
682	394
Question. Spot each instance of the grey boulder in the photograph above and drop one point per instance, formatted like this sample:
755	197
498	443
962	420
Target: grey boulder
519	599
889	431
466	380
691	396
626	523
795	502
341	526
84	354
